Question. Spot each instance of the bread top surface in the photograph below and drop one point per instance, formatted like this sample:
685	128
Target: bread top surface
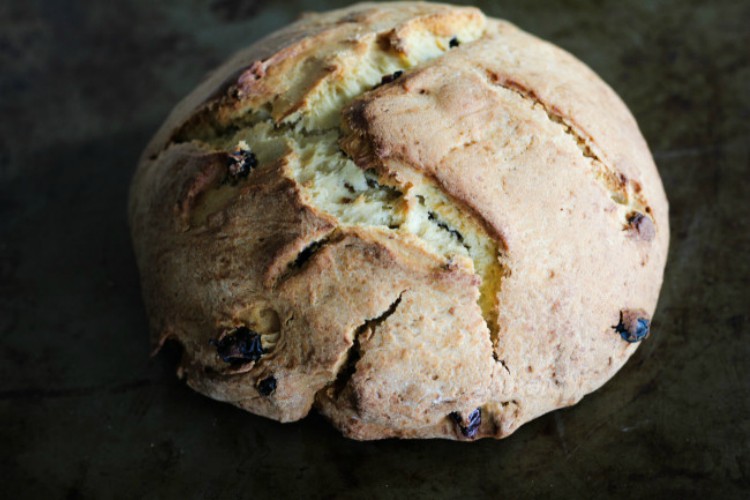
443	214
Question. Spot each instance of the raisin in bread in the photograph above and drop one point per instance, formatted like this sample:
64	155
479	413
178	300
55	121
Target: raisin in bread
417	220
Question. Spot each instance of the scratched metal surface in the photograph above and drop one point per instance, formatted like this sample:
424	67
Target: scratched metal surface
85	413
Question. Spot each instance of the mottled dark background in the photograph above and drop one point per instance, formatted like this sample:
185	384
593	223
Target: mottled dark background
84	412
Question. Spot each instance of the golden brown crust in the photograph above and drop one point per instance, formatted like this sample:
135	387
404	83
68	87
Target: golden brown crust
366	323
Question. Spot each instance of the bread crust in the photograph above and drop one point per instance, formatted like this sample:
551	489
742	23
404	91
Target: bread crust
368	323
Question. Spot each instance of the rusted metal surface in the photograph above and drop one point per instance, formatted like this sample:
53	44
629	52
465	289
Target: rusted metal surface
85	413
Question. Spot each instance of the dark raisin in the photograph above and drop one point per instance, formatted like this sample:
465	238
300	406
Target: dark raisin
390	78
454	43
641	226
642	329
240	346
471	427
240	163
632	327
267	386
372	183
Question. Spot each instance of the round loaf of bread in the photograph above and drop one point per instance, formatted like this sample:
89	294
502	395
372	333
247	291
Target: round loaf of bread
418	220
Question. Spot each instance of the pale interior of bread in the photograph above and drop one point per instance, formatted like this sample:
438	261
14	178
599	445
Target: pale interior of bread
335	185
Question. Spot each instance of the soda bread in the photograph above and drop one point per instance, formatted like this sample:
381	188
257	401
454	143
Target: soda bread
419	221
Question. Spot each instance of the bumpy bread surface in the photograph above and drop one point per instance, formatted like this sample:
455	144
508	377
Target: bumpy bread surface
462	235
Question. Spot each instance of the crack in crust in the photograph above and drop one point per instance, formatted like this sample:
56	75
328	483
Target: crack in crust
214	128
297	262
349	367
360	146
623	191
